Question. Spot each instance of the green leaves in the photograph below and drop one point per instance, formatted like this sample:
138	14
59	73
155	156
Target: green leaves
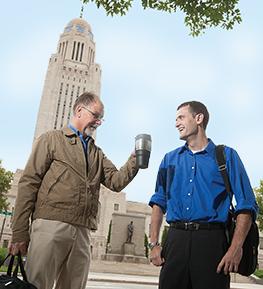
5	183
259	198
199	14
167	6
113	7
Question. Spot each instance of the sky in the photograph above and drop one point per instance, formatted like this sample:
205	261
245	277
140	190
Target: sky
150	64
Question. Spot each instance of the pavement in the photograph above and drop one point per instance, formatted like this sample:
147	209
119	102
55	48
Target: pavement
122	272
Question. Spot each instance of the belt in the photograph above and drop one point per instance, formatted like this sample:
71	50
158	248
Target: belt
194	226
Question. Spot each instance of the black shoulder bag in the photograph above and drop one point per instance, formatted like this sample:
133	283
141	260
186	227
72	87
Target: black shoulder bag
10	279
249	261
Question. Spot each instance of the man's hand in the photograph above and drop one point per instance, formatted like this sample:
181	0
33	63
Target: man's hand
232	258
155	256
21	247
230	261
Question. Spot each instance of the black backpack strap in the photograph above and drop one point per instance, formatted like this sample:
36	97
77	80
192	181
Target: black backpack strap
221	161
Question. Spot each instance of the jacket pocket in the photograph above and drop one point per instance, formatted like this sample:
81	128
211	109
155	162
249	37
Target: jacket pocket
62	188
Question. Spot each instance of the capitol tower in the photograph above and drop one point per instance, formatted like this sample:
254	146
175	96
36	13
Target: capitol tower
71	71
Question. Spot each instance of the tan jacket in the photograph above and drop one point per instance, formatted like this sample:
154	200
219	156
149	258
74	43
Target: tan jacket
59	184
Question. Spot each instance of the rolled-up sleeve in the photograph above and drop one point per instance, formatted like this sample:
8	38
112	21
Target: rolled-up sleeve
241	187
159	197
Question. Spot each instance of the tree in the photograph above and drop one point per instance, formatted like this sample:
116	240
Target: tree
5	183
146	243
164	235
199	14
259	197
108	238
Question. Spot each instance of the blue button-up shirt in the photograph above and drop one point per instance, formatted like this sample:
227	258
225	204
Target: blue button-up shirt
84	140
190	187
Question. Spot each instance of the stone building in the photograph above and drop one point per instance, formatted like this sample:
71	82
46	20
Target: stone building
71	71
110	203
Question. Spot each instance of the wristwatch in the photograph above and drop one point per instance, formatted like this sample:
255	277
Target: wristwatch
153	244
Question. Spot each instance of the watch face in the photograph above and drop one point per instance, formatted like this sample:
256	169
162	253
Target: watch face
80	28
154	244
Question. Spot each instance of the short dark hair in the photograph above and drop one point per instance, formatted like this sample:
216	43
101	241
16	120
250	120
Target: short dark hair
195	108
85	99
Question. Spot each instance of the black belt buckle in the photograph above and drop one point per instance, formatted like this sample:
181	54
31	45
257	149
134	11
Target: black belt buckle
191	226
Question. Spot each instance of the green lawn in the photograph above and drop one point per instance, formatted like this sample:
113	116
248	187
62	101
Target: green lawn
259	273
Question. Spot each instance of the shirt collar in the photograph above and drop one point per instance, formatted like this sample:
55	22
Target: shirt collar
210	148
78	133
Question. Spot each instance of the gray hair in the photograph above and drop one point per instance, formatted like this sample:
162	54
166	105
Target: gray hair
85	99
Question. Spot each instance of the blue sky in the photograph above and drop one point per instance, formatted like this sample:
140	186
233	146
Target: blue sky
150	65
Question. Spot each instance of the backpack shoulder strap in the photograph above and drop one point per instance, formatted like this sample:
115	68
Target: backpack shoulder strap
221	161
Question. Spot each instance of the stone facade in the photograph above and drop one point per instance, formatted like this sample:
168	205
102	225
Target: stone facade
71	71
114	204
125	246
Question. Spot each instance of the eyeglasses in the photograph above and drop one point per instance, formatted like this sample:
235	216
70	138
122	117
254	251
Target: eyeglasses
95	115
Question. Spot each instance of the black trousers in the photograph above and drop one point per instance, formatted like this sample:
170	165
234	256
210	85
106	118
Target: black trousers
191	259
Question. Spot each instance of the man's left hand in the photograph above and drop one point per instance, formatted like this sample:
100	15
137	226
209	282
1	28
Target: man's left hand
230	261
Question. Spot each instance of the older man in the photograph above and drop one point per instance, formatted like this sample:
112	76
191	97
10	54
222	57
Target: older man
59	190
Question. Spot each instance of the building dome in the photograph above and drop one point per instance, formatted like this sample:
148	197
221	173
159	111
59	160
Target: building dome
78	25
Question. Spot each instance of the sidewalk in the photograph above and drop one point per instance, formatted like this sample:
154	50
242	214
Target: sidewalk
151	280
122	272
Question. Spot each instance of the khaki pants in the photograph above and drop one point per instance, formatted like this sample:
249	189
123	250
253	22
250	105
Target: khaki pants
59	253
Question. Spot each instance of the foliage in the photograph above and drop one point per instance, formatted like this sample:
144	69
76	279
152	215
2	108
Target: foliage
3	254
259	198
108	237
199	14
164	235
5	183
146	245
259	273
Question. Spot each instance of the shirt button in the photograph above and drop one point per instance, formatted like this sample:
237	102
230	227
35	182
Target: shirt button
191	180
193	168
187	208
189	194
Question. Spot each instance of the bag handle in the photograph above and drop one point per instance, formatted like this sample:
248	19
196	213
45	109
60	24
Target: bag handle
22	269
18	265
221	161
2	263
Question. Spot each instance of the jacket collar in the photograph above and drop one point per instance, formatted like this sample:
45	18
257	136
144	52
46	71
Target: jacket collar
68	132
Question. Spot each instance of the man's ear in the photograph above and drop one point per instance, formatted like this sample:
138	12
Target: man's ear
199	118
78	108
78	111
